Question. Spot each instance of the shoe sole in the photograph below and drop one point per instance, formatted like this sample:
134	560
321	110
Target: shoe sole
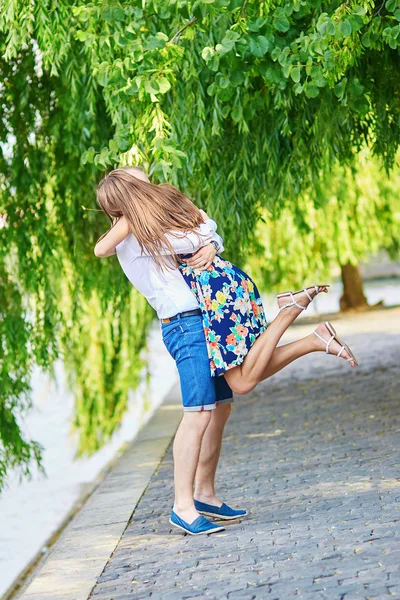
200	532
222	517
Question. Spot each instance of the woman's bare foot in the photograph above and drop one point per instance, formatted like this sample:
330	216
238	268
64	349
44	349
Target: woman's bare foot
334	348
300	298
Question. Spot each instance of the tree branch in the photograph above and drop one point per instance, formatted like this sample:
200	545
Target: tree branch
178	33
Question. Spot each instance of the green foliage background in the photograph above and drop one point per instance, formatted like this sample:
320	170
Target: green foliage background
354	212
244	105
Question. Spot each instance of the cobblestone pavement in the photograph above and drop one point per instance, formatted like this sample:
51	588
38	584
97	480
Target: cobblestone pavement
313	453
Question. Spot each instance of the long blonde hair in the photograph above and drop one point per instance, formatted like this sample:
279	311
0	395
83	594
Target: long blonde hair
152	210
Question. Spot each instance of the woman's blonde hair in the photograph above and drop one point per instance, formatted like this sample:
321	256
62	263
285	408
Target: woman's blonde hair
152	210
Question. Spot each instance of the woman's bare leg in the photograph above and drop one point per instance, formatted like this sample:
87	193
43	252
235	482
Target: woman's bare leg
244	378
282	356
286	354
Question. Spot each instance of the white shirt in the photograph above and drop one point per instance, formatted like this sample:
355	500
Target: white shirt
165	289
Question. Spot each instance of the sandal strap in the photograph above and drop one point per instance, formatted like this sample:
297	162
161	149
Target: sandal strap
340	351
292	303
326	342
342	348
308	295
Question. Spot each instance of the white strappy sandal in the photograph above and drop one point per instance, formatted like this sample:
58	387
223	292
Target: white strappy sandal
291	295
327	343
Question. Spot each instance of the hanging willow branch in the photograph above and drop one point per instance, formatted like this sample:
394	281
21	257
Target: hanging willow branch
178	33
244	116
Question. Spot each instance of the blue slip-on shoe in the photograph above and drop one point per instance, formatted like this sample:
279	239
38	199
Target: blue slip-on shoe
199	526
224	512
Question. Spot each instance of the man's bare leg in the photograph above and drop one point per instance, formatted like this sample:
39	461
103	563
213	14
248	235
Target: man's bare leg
186	449
209	456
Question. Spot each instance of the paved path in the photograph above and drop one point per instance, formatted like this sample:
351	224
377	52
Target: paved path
314	454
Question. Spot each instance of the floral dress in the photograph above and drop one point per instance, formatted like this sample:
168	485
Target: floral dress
233	315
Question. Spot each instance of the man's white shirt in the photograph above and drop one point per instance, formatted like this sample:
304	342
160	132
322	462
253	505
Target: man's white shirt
165	289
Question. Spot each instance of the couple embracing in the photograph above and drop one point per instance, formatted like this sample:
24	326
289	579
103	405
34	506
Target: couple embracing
212	324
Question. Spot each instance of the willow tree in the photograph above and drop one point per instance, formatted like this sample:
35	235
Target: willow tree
351	214
242	104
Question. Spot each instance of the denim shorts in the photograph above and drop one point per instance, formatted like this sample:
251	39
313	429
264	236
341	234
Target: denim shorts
185	341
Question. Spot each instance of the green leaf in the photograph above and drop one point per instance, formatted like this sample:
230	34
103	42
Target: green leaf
356	22
340	88
311	90
207	53
358	10
286	70
234	36
163	84
256	25
117	13
82	36
366	39
156	41
295	74
331	29
237	113
225	111
102	76
237	77
345	28
391	5
281	23
259	45
356	87
151	86
88	156
113	13
211	89
397	14
297	88
225	46
223	81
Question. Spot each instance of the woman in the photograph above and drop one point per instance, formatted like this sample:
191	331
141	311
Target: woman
221	289
213	323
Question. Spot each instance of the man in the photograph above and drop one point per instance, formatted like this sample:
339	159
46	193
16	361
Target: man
206	399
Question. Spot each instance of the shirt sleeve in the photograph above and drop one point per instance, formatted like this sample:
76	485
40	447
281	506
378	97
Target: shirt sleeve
191	241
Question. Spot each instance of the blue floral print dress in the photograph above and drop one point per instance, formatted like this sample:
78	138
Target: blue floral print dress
233	315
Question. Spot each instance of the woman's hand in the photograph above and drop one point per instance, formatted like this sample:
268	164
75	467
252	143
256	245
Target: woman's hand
203	258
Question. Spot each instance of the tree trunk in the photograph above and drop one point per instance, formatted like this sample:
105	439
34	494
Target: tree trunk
353	293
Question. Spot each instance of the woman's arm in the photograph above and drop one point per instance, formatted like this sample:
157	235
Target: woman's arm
106	246
181	242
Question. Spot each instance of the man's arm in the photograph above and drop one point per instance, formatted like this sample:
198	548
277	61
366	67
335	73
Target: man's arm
106	246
